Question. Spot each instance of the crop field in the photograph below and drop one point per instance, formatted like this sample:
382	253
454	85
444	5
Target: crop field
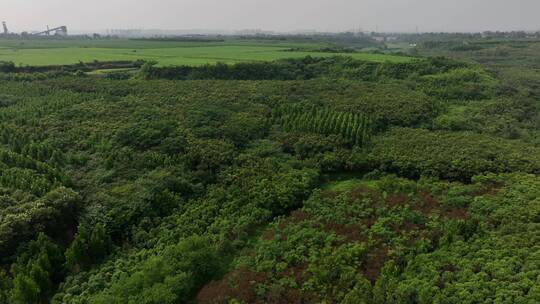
40	53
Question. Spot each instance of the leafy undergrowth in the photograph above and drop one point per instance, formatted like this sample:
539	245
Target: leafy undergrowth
396	241
172	180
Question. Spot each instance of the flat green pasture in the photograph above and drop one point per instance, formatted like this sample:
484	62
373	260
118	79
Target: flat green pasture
51	52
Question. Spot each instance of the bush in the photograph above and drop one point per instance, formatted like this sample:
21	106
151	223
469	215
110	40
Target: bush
455	156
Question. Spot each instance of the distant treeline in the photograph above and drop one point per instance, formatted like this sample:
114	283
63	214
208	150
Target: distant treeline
304	68
335	50
440	77
460	37
356	40
180	39
10	67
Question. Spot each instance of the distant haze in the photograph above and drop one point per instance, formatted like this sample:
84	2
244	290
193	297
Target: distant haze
277	15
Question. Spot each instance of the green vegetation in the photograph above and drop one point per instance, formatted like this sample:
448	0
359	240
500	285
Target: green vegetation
353	127
396	241
301	180
451	155
42	53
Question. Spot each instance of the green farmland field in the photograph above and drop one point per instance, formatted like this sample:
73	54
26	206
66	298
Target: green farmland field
50	52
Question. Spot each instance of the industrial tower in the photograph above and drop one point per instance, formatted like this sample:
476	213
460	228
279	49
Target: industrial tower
58	31
4	25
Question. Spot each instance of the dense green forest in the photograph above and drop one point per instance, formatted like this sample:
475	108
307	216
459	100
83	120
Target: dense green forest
313	180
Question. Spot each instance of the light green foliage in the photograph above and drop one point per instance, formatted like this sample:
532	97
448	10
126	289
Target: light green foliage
451	155
356	128
507	249
325	250
20	221
268	182
463	83
36	271
170	277
165	53
502	117
89	247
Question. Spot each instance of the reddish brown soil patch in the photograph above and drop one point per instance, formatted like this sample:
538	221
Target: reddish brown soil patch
365	192
490	190
329	194
298	272
449	268
455	213
429	204
239	284
285	295
435	236
368	222
375	262
296	216
351	233
405	227
268	235
300	216
397	199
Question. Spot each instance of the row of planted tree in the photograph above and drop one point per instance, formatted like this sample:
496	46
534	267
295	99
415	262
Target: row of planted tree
355	127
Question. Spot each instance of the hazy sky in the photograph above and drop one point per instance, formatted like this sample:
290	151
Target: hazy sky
281	15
